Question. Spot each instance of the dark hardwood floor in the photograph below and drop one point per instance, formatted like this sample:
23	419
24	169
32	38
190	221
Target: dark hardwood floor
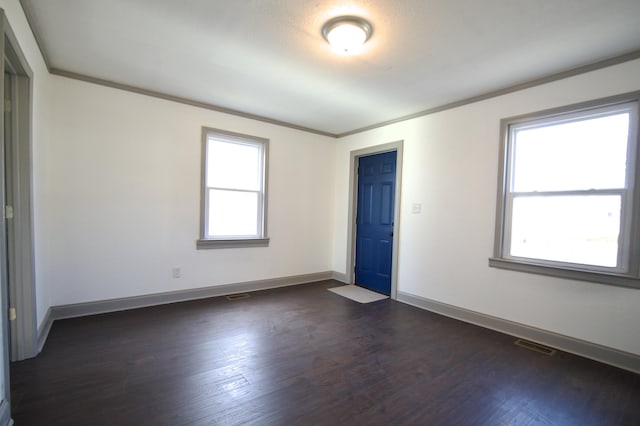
306	356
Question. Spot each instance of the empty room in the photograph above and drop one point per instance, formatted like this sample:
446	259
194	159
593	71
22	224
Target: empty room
323	212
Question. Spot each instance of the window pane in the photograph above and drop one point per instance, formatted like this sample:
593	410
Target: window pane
233	214
234	165
573	229
578	155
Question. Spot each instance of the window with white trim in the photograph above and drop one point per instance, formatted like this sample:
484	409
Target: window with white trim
568	193
233	190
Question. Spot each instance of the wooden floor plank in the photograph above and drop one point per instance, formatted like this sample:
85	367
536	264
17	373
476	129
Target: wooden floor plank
303	355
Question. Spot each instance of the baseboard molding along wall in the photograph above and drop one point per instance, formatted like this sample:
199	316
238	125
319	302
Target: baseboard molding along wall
624	360
339	276
43	329
113	305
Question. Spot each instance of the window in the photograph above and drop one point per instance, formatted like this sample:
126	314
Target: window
568	193
233	190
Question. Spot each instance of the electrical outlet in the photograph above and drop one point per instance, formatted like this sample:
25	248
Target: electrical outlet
176	272
416	208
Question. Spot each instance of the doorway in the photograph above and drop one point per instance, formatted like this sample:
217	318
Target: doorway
374	221
374	217
15	190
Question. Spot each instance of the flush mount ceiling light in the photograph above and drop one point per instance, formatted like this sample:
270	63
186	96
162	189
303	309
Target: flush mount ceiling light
347	33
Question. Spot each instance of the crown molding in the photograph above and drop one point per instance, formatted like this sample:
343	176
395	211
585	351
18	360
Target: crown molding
615	60
185	101
583	69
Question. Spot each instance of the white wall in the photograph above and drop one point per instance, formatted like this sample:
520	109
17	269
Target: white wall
122	198
116	199
40	136
116	189
450	167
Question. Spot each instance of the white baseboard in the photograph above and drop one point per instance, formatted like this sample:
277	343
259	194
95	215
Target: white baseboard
617	358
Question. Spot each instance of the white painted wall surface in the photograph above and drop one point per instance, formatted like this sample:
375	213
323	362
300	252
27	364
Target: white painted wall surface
40	140
450	167
116	202
122	198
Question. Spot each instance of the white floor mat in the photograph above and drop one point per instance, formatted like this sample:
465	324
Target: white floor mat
358	294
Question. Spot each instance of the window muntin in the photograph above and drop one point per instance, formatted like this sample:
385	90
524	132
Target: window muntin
568	190
234	188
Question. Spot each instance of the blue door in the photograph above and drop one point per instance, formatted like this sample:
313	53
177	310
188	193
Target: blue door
374	221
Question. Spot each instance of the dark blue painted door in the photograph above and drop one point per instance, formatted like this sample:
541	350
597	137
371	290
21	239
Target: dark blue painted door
374	221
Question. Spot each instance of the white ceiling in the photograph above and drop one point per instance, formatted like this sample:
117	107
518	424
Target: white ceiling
268	58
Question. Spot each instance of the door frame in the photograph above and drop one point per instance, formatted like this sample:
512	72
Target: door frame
353	209
20	247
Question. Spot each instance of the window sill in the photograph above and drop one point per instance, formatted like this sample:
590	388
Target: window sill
619	280
238	243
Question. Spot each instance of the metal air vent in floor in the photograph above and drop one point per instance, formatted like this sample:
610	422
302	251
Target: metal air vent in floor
535	347
238	296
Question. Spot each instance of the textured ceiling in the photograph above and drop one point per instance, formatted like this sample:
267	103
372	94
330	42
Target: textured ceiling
267	57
